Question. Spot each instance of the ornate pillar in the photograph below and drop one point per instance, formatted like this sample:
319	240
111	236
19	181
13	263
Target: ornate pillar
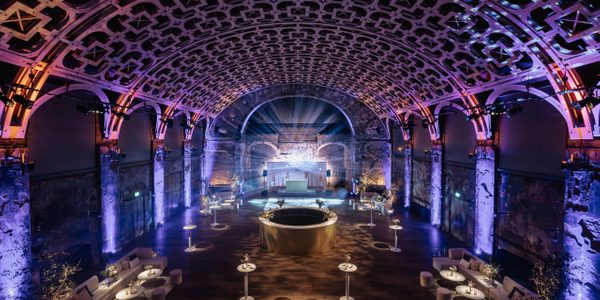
187	173
485	167
158	164
582	220
242	163
15	235
408	157
387	165
109	153
435	194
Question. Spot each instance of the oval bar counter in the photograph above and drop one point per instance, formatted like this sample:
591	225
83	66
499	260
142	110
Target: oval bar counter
298	231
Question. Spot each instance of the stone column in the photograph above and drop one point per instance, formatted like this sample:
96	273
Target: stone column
485	167
387	165
187	173
158	165
582	220
15	235
109	153
435	194
408	157
242	162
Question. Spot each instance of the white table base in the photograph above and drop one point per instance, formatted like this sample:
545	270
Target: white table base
246	268
347	268
395	228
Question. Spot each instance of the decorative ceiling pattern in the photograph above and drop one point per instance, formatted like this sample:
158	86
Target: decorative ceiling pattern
203	55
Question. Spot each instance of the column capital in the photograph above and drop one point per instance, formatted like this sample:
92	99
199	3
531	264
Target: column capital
110	143
588	150
485	143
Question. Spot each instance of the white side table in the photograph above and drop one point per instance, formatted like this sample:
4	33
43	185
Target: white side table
371	207
130	293
214	209
189	229
471	293
246	268
347	268
452	276
149	274
395	228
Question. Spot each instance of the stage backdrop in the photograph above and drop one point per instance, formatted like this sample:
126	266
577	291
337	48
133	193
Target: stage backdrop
314	172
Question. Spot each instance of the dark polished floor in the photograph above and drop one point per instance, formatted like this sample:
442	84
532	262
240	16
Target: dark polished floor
211	274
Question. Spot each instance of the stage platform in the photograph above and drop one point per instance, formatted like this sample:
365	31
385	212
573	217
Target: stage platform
306	193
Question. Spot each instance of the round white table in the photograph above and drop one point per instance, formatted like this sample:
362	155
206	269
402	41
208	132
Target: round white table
126	294
246	268
395	228
149	274
189	229
347	268
474	293
457	277
214	208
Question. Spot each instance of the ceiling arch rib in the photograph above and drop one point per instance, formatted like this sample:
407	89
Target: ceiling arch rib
120	43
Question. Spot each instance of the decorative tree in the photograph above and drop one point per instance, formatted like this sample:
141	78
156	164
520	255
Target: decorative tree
392	193
367	179
56	276
234	184
546	277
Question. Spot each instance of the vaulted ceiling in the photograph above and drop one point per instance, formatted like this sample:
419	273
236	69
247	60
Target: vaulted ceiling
392	55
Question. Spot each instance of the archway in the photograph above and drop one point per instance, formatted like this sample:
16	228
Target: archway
295	130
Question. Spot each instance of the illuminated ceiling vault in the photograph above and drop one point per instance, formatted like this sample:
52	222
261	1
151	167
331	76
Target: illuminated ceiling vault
394	56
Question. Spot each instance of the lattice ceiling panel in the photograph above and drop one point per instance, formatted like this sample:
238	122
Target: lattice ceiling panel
205	54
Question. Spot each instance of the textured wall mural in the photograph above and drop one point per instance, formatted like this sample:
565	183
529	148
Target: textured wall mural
458	205
136	213
54	211
421	178
531	213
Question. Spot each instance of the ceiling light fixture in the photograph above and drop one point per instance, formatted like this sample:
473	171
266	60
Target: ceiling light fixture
87	108
589	102
26	103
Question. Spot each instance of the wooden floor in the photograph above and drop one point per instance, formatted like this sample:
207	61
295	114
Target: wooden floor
211	274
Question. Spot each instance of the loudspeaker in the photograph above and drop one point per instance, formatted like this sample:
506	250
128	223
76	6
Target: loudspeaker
264	173
328	173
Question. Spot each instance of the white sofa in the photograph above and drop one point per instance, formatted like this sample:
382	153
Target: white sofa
103	290
499	292
507	286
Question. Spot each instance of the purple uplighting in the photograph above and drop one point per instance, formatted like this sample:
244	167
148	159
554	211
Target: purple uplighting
484	200
187	175
436	185
407	175
159	185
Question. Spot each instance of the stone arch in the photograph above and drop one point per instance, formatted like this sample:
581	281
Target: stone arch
61	90
364	123
553	101
256	108
479	132
341	169
141	105
253	165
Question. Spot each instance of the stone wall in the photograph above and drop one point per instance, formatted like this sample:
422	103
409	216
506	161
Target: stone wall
530	214
219	161
174	201
136	211
458	201
65	216
15	239
421	181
